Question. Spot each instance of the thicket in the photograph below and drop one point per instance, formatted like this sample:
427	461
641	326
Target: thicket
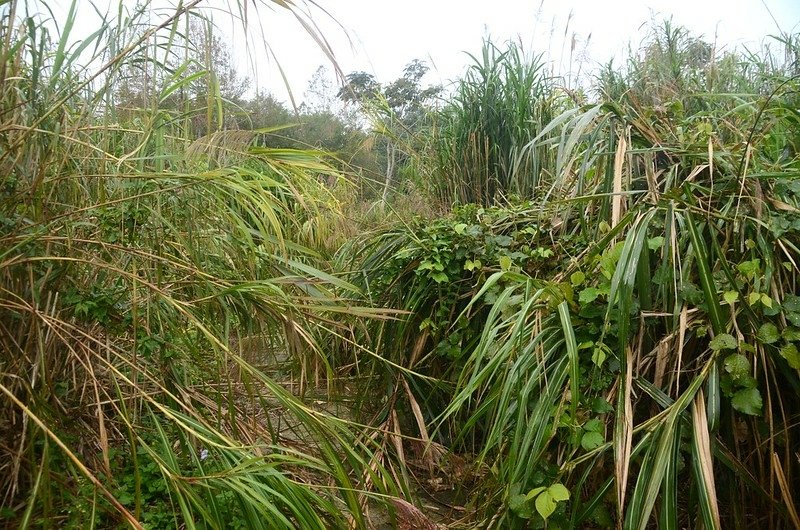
143	291
601	330
618	348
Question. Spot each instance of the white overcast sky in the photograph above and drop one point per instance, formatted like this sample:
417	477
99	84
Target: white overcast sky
380	37
387	35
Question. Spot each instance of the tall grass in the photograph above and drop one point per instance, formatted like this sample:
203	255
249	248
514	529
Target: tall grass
645	372
134	282
502	102
677	313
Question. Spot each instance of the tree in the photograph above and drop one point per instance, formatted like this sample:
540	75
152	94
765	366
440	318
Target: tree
217	63
406	97
359	87
319	96
200	61
264	111
398	110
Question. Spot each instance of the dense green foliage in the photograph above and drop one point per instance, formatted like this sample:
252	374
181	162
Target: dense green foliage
134	281
481	146
204	325
649	361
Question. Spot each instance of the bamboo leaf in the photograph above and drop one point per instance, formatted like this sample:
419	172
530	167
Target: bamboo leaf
703	465
572	353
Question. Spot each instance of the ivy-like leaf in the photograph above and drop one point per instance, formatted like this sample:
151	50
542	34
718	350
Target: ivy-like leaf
737	365
545	505
520	506
655	243
747	381
723	341
600	406
766	300
588	295
598	356
502	241
792	356
593	425
559	492
547	500
425	266
534	492
691	293
748	401
470	265
791	334
727	385
439	277
791	308
730	297
592	440
749	269
768	333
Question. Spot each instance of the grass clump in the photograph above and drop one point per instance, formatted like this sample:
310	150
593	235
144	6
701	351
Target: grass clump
131	279
480	148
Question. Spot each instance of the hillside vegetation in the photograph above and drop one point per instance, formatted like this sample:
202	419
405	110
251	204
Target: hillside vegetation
511	303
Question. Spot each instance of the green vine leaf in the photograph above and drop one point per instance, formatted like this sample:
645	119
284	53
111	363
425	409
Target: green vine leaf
748	401
792	356
439	277
768	333
737	365
730	297
559	492
749	269
588	295
520	506
547	500
791	334
598	356
723	341
592	440
655	243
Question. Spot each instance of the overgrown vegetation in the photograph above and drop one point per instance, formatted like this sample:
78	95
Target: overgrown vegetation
134	281
482	148
205	325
